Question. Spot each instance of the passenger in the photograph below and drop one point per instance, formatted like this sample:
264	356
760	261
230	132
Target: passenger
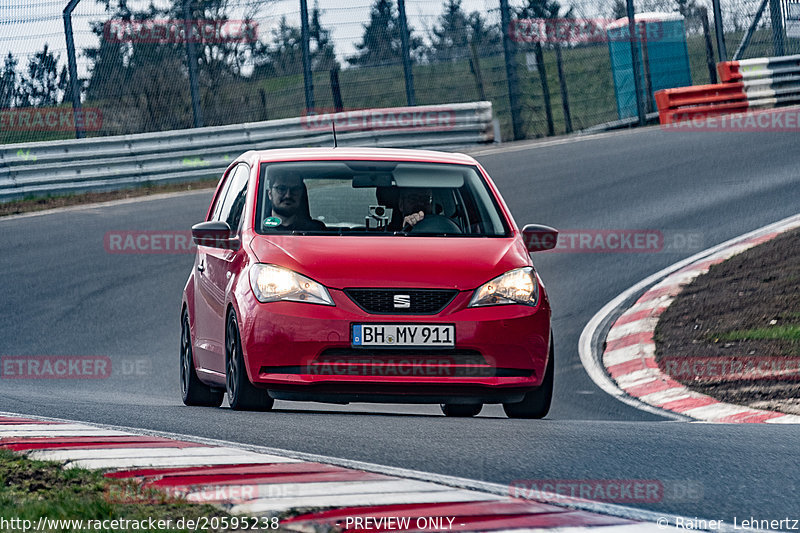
414	203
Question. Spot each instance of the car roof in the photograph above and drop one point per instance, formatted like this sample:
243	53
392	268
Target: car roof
373	154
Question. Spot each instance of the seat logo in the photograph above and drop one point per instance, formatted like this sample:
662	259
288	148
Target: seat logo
402	301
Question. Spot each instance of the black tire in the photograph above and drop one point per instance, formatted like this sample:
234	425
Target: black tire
242	395
194	391
461	410
536	403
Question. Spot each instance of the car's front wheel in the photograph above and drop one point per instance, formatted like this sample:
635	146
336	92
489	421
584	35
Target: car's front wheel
194	391
536	403
461	410
242	395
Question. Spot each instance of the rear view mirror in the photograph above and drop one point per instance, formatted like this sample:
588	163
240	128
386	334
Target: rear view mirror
214	233
372	180
538	237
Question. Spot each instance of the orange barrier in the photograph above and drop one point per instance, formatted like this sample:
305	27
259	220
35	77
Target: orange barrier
729	71
758	83
701	101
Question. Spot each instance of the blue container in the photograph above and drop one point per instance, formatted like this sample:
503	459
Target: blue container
667	52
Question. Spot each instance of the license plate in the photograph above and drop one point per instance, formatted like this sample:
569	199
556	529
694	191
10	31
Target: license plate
404	335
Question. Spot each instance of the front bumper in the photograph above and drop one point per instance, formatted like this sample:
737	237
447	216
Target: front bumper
302	351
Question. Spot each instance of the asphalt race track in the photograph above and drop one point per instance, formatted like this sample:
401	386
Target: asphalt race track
63	294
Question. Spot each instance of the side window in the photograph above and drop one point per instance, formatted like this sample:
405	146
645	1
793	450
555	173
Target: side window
222	193
233	205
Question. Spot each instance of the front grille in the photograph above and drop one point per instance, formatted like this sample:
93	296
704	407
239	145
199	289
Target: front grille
418	301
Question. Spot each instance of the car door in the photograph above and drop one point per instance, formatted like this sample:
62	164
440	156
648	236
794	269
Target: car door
203	351
216	270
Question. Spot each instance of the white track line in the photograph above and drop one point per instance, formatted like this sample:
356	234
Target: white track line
346	488
133	452
145	462
350	500
56	430
260	490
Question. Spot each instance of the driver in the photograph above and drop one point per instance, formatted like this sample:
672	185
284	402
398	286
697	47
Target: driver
289	202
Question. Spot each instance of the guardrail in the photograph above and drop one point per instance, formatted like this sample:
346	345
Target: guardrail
109	163
759	83
768	81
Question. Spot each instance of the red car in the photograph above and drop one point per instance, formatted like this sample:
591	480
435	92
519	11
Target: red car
349	275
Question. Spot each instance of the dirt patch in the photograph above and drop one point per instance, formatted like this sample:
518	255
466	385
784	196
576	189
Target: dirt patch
744	310
28	205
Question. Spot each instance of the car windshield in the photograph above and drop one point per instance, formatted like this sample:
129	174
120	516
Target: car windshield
373	197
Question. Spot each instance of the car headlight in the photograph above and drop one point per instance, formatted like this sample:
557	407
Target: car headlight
272	283
518	286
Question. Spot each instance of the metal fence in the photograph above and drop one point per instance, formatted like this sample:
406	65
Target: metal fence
547	66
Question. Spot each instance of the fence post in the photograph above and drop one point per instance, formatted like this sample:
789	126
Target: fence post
308	81
264	111
191	59
548	110
562	81
77	114
407	67
648	82
737	55
509	53
335	90
637	81
712	71
475	65
721	50
776	18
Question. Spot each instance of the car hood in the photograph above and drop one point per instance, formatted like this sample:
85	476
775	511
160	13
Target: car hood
339	262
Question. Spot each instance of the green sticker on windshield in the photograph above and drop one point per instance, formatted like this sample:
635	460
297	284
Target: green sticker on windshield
271	222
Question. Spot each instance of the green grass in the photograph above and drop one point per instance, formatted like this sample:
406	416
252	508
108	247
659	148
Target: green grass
32	489
789	332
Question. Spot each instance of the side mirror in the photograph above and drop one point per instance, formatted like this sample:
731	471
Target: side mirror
216	234
538	237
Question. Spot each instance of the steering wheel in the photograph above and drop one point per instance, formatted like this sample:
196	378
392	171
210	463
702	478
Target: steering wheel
436	224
